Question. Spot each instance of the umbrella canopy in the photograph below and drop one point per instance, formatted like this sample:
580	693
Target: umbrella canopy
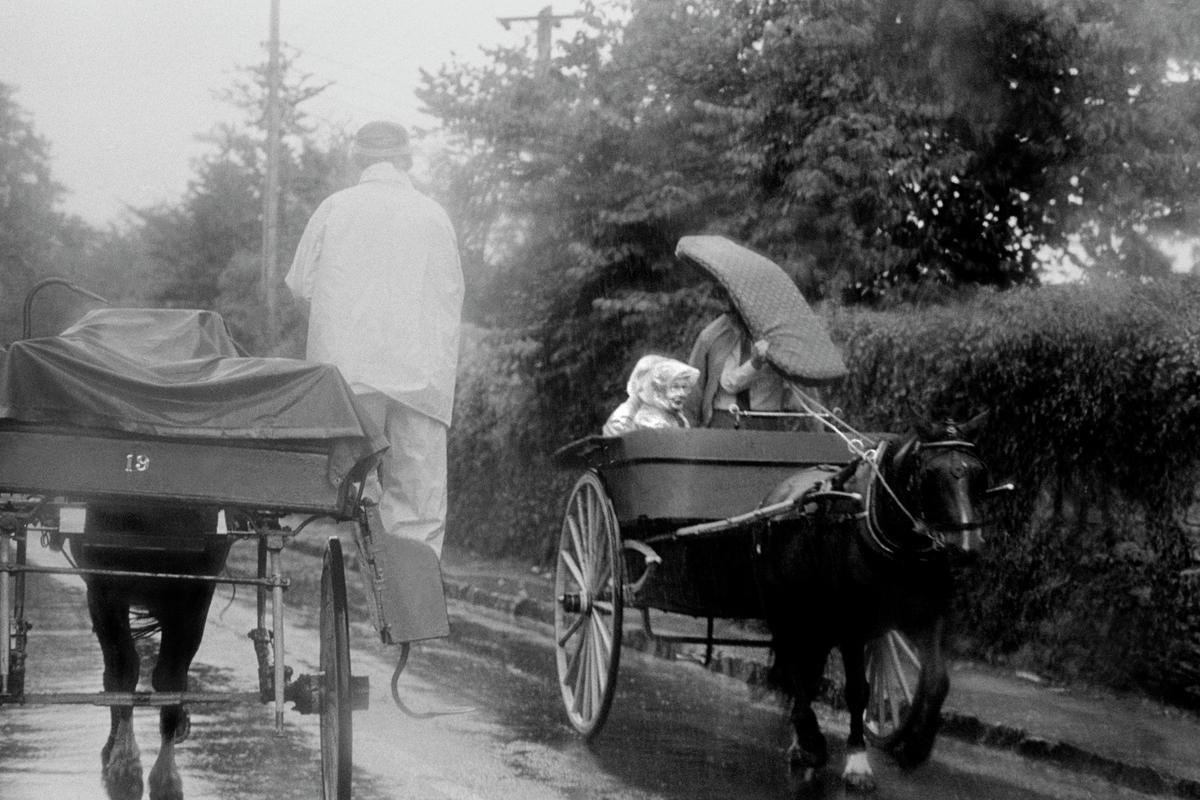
770	305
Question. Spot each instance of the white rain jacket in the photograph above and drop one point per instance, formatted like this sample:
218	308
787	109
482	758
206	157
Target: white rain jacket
379	263
663	392
621	419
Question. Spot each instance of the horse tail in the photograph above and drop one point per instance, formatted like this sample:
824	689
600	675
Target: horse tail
143	623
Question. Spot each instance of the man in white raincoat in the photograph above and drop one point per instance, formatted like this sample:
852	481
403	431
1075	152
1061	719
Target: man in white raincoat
379	264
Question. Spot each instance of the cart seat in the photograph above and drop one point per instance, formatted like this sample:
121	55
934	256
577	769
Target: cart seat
696	474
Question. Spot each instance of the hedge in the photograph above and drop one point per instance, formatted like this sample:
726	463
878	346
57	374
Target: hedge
1094	398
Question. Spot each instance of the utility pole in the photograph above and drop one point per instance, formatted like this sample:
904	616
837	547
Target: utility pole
270	226
546	21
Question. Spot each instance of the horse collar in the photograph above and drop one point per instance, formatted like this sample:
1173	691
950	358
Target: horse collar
871	526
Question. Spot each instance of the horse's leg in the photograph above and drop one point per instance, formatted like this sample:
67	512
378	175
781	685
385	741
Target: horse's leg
182	631
808	751
165	781
170	675
183	621
857	774
120	761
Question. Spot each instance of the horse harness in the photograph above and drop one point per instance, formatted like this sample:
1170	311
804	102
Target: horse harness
932	536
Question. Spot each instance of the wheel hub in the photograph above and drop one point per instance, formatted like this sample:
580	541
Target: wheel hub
576	603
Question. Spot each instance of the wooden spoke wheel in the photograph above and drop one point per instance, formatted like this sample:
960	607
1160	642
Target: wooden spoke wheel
589	605
336	725
894	666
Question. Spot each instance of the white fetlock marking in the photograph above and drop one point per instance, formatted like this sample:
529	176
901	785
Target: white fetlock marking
857	766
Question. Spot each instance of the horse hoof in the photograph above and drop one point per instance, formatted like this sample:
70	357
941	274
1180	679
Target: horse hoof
165	783
121	772
858	776
801	759
802	771
805	783
859	783
913	752
123	779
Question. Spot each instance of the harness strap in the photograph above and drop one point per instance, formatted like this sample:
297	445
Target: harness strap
871	526
870	451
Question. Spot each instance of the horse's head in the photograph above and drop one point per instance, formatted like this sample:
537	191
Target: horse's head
928	491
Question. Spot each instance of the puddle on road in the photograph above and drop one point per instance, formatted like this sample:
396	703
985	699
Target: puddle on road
54	750
670	733
516	744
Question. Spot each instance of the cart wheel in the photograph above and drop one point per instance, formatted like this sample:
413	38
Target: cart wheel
894	671
589	607
336	725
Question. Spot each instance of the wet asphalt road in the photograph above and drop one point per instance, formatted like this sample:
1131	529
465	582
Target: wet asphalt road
676	731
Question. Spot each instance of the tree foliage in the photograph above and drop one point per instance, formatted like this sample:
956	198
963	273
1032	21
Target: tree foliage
206	248
876	150
27	190
37	240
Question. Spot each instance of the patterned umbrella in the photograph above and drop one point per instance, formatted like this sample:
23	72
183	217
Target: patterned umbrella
771	306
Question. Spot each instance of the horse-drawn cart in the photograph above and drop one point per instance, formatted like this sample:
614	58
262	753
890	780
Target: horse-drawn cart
141	444
772	526
650	525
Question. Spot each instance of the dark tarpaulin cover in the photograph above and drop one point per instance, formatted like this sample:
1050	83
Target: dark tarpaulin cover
178	373
771	305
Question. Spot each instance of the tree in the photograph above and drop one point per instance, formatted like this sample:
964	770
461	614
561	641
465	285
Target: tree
587	176
877	150
1138	119
36	239
913	143
206	247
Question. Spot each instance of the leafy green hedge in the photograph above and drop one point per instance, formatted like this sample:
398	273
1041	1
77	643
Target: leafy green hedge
1094	399
1094	394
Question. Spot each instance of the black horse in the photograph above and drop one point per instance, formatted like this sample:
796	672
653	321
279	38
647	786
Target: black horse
847	572
166	541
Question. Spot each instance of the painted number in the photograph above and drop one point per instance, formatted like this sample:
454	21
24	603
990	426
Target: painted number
136	462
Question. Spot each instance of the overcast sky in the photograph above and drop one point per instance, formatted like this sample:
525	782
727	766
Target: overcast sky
121	88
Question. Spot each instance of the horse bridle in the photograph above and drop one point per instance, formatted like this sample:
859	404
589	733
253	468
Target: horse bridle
933	534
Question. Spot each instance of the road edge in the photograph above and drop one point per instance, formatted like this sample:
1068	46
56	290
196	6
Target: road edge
956	724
